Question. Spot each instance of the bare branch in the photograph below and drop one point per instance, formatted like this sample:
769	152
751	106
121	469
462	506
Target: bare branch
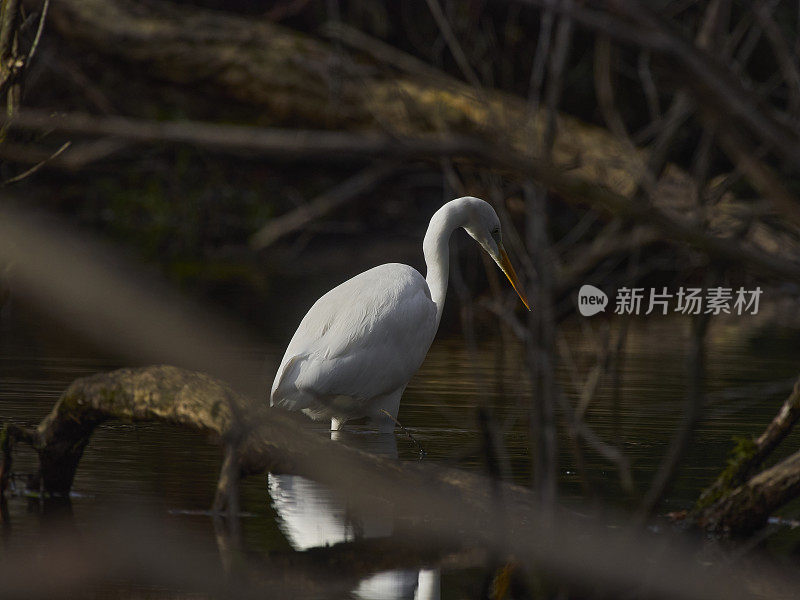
273	142
39	31
37	166
540	60
711	82
607	451
453	44
649	85
9	16
281	144
780	47
385	53
763	178
350	189
694	403
578	427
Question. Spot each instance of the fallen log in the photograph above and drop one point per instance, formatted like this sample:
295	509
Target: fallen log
749	454
740	500
437	506
161	393
434	502
254	438
748	507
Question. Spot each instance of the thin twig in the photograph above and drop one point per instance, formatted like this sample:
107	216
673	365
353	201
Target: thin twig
604	89
648	85
422	452
386	54
713	84
607	451
79	155
279	143
780	48
37	166
760	175
9	16
39	30
540	60
694	403
350	189
555	79
452	42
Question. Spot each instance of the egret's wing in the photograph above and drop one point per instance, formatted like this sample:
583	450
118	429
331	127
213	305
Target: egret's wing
362	339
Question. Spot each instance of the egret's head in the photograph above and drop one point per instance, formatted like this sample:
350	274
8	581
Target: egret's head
483	225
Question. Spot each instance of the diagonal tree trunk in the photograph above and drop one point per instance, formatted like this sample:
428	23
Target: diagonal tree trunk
295	78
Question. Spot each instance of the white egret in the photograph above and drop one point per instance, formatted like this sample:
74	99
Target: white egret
359	345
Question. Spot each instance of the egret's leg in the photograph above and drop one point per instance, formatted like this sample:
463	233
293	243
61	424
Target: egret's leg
337	424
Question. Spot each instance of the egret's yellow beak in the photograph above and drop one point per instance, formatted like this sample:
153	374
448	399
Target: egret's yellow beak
509	271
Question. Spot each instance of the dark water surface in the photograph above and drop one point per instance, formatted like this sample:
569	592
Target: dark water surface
171	474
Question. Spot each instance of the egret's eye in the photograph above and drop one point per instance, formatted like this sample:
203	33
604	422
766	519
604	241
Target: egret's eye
496	234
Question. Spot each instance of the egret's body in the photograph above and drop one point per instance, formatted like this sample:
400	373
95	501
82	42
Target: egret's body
359	345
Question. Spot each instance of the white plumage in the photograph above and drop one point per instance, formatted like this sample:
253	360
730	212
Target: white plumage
359	345
354	352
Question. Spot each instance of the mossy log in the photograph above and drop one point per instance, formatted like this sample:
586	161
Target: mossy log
747	508
254	437
159	393
749	454
741	501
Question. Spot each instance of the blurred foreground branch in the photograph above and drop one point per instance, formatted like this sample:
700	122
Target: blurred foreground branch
434	505
261	439
120	549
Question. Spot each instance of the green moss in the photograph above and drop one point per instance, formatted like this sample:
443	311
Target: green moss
740	455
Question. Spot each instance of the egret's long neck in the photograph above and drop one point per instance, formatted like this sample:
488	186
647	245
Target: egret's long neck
436	247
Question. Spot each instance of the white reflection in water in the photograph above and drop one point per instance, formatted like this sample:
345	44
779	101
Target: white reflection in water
310	516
